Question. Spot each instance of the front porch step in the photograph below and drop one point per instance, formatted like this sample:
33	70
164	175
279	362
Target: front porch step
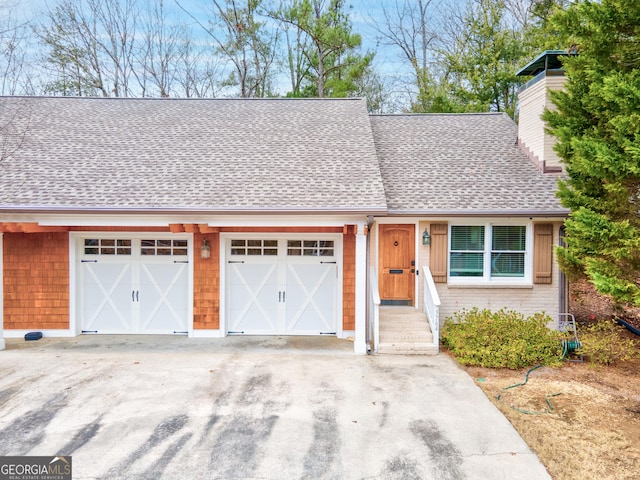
405	331
406	348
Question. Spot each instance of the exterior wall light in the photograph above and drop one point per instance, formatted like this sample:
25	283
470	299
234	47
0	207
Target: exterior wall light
205	250
426	238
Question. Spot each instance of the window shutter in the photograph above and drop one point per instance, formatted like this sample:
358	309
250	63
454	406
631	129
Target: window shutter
542	252
439	252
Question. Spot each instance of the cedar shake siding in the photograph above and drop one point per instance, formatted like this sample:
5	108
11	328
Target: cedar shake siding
36	280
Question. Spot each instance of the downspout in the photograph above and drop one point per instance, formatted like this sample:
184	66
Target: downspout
367	325
563	298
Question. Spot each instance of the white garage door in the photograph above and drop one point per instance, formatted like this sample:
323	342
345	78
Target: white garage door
134	285
283	286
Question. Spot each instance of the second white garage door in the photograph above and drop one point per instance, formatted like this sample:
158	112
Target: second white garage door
283	286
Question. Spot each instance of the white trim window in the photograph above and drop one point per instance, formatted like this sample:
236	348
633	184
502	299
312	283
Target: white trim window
497	253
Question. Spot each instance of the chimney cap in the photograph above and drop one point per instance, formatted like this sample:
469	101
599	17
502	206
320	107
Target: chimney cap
547	60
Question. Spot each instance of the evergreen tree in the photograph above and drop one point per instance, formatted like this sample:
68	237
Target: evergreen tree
333	64
597	125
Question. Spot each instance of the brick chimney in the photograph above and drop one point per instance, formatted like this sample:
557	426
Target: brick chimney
533	98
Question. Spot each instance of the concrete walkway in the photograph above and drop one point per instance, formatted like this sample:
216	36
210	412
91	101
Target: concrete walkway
149	407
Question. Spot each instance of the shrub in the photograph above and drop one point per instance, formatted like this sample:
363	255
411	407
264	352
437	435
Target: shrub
603	345
501	339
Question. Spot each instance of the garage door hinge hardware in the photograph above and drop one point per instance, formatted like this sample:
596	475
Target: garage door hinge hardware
88	261
89	331
327	262
281	296
327	333
236	333
236	261
135	295
181	261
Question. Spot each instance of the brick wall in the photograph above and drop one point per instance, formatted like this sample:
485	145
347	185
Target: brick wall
36	280
528	299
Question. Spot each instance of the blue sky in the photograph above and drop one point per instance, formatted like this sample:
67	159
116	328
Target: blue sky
364	13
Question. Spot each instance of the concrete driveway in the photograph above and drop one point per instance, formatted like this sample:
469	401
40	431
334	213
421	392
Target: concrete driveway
150	407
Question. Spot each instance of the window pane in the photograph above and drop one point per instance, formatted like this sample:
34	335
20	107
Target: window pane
310	243
254	243
180	251
180	243
237	251
294	252
467	264
294	243
509	237
271	251
91	242
237	243
107	243
467	237
271	243
507	264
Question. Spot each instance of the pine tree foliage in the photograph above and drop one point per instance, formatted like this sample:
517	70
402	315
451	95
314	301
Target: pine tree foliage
597	125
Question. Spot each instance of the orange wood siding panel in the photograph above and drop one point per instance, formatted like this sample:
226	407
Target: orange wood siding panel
206	283
349	280
36	280
439	252
542	253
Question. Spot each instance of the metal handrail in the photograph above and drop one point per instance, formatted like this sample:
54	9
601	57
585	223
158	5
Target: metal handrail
432	306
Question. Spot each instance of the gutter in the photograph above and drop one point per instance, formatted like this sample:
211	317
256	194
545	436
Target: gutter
560	213
378	210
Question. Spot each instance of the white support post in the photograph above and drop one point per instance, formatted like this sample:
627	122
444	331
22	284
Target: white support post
2	344
360	343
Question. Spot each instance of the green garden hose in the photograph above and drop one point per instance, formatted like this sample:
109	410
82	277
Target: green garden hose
526	379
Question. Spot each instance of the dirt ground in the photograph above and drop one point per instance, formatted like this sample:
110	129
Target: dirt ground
592	429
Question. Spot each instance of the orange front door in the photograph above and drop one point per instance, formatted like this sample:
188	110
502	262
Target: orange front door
396	264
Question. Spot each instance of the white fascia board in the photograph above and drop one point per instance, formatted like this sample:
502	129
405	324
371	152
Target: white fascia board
210	220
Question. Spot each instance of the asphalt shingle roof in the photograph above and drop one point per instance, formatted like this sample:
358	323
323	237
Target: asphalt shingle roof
262	155
458	164
212	155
